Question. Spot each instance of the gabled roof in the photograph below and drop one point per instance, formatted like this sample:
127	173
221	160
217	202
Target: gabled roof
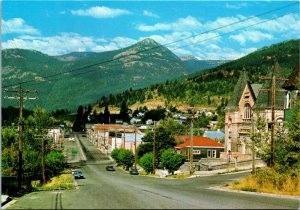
214	134
290	84
256	88
200	142
264	99
238	91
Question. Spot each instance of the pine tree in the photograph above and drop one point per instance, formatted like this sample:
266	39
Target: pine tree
124	112
106	115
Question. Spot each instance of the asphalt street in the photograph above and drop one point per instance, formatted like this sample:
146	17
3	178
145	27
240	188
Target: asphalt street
103	189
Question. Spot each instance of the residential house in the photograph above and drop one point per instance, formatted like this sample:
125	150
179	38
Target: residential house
247	102
203	147
212	124
135	121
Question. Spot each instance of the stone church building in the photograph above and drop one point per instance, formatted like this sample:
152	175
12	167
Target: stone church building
247	102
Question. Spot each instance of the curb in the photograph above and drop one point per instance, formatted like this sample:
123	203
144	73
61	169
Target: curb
220	188
7	200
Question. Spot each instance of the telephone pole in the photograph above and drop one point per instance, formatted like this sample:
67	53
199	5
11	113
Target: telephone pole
135	155
41	137
273	104
191	148
153	161
253	146
20	97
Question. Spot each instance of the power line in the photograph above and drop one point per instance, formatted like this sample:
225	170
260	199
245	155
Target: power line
86	72
156	47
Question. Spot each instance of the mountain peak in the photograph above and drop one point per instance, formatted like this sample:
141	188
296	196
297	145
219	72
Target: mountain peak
148	41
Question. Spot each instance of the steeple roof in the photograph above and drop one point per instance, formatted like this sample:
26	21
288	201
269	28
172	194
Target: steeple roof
238	90
264	99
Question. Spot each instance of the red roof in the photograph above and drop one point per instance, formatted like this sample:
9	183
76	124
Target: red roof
199	141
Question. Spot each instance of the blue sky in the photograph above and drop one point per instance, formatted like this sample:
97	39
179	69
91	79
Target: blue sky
61	27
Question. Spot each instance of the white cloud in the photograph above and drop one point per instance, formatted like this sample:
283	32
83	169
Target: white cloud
182	24
252	36
101	12
17	25
221	53
122	42
66	43
286	23
150	14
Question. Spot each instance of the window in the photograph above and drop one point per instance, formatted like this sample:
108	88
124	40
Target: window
211	153
288	100
196	152
247	111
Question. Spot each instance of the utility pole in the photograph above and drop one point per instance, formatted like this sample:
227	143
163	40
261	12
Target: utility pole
273	104
20	97
153	161
41	137
191	148
253	146
123	138
135	147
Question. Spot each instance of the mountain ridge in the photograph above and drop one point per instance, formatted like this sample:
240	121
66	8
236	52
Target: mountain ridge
92	75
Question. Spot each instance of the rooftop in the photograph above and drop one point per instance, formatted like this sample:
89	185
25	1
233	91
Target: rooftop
199	141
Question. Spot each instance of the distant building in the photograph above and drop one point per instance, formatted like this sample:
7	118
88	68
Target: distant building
110	136
149	122
212	124
135	121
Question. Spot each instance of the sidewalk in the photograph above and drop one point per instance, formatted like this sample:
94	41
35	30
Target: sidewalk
238	169
4	200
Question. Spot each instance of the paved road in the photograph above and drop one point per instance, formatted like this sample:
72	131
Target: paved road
105	190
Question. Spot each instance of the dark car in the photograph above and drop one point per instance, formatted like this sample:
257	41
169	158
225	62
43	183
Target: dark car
134	171
78	175
110	168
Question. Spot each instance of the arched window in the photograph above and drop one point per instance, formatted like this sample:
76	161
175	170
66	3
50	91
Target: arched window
288	100
247	111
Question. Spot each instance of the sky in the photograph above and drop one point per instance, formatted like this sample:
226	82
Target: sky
207	30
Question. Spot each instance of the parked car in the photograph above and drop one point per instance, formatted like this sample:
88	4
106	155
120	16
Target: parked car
78	175
134	171
73	170
110	168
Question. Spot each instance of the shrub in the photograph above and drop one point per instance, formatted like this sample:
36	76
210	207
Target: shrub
55	163
269	180
147	162
115	155
126	158
171	160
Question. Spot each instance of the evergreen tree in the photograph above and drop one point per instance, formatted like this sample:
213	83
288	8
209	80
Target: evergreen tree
79	124
106	115
124	112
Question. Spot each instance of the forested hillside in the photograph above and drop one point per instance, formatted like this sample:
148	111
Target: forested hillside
212	87
88	76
